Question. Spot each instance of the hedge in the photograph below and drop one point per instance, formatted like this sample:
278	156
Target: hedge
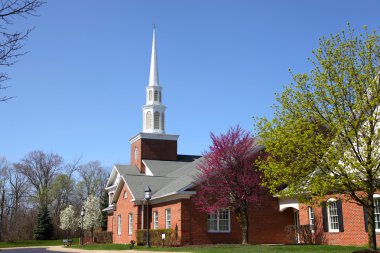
155	237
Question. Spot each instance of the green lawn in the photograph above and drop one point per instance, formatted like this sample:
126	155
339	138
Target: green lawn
233	248
33	243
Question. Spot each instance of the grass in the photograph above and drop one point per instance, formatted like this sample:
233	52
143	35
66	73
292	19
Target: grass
233	248
33	243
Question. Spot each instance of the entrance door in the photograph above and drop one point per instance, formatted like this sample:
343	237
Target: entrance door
297	225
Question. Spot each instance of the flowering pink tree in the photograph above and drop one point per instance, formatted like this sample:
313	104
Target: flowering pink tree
228	179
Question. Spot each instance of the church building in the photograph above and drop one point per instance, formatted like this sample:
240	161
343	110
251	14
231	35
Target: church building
171	178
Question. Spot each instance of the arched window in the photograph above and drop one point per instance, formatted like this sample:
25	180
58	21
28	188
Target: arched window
150	95
155	95
148	122
156	120
163	121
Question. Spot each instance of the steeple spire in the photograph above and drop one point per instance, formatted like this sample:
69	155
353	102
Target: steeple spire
153	77
154	110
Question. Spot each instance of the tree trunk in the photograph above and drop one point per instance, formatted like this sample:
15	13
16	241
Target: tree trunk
371	224
242	218
2	206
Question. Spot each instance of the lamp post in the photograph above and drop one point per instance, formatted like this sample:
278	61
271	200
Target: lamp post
82	213
147	197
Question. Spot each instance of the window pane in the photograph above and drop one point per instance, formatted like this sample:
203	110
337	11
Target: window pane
168	218
156	120
130	224
377	213
148	122
155	218
119	225
311	218
333	215
212	224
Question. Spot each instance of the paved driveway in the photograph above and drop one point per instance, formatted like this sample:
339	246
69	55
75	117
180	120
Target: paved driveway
60	249
24	250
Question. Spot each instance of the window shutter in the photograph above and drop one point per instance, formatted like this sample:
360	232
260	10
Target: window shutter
365	218
324	217
340	215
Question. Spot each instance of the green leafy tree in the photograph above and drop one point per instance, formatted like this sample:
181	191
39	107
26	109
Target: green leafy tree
44	227
324	137
103	205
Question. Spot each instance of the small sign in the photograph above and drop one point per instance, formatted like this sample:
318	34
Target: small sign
163	236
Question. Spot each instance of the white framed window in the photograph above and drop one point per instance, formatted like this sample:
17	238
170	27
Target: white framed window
119	224
155	95
376	200
136	153
148	121
130	223
219	221
155	220
156	120
168	218
311	219
125	195
333	217
159	98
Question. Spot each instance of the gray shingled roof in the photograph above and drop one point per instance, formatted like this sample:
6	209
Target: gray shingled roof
168	176
162	168
182	178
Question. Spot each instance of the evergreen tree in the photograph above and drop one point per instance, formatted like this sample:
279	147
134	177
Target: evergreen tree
104	204
44	227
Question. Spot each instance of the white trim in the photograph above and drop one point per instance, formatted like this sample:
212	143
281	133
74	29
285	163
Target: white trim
155	219
332	200
169	137
166	218
111	176
376	196
288	203
130	223
217	223
148	172
312	224
119	224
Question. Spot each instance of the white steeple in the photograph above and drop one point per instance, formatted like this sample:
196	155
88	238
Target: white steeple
154	110
153	77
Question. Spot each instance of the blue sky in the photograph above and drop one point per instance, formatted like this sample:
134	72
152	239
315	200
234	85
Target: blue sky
80	89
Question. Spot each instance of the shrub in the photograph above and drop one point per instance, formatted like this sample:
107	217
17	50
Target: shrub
155	237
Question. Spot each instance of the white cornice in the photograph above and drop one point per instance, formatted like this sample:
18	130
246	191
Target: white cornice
168	197
168	137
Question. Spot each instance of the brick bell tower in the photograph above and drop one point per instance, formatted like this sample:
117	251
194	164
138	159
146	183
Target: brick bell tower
152	143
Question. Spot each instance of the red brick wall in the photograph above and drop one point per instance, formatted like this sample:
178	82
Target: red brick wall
153	150
138	162
267	225
353	222
123	208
